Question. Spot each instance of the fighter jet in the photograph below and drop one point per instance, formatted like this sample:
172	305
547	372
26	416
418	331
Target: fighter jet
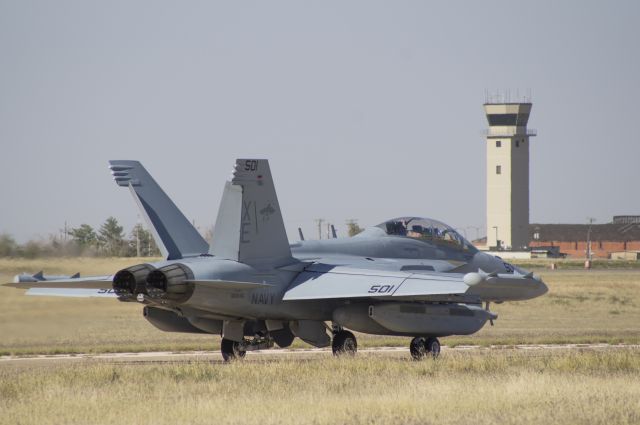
409	276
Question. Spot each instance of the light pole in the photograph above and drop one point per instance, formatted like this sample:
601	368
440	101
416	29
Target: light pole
497	240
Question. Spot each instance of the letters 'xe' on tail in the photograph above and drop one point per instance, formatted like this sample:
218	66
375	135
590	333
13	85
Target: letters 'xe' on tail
249	227
174	235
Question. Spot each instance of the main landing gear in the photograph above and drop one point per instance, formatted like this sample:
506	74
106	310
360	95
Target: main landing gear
421	347
232	350
344	343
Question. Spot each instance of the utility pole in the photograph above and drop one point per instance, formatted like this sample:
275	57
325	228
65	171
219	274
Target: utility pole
587	263
319	221
477	228
138	239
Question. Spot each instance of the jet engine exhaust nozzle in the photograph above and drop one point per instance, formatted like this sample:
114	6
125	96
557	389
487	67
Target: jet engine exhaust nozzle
169	283
130	282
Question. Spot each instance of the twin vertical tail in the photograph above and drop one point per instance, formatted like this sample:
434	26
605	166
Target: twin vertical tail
249	227
174	234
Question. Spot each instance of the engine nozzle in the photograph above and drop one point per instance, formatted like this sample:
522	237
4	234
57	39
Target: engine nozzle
130	282
169	283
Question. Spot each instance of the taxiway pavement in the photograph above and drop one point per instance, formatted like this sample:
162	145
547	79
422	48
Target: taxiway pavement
258	355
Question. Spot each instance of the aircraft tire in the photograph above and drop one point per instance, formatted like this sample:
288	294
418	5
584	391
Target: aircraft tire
433	347
344	342
231	350
418	348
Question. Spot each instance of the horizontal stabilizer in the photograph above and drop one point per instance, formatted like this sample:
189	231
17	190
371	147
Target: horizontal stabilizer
72	292
93	282
40	277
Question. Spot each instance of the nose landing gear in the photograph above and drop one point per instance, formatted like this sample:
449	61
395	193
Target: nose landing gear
421	347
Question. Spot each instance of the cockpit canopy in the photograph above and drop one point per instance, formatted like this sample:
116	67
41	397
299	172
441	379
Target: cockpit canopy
428	230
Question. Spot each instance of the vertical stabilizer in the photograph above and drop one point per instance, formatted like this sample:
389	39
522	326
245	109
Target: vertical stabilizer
174	235
249	227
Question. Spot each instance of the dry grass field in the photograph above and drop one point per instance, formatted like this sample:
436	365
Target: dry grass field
499	386
600	305
506	386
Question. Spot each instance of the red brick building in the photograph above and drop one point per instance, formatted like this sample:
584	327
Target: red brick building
623	234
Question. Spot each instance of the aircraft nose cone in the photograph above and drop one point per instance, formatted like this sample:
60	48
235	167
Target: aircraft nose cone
541	288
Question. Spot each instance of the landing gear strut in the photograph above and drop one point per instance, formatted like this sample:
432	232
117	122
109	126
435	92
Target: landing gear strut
420	347
344	342
232	350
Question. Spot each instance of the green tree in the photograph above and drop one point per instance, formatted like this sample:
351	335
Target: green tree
353	228
31	249
142	238
111	237
8	245
84	235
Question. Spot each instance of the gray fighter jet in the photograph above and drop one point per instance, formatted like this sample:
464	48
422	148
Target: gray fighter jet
409	276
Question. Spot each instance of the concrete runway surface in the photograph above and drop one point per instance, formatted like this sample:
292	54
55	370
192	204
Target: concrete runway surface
273	354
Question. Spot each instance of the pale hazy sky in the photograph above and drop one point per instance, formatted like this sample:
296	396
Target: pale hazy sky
365	109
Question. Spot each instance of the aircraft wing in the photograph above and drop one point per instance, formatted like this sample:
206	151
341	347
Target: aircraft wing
326	282
93	286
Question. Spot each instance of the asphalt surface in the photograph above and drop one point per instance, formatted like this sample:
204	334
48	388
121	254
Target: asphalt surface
261	355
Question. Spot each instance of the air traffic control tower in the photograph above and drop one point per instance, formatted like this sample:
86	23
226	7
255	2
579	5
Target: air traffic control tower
508	175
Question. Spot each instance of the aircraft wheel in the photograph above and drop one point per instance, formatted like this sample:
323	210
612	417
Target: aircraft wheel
418	348
344	342
232	350
433	347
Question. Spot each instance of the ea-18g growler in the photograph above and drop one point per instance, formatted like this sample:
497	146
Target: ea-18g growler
409	276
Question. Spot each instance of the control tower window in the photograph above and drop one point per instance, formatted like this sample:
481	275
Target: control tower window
498	143
503	119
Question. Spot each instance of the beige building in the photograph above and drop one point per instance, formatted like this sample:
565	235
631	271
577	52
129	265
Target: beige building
508	175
